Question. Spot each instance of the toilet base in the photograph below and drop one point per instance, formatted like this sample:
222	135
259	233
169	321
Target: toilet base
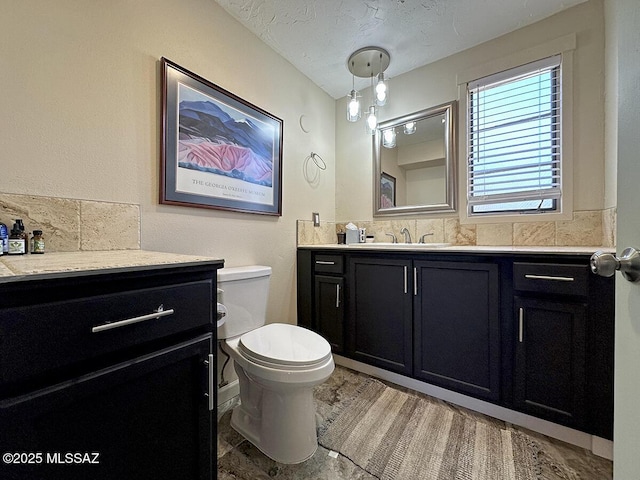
281	422
248	434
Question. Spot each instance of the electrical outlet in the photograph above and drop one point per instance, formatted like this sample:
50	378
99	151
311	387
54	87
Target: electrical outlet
316	219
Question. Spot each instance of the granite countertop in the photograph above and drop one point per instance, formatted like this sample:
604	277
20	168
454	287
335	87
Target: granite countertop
57	264
542	250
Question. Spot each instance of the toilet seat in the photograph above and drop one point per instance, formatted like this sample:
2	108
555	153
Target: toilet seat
282	346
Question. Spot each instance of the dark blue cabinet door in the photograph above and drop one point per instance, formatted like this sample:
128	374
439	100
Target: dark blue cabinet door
457	326
380	313
329	310
550	373
147	417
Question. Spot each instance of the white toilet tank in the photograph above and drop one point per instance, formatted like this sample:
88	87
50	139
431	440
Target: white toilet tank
245	291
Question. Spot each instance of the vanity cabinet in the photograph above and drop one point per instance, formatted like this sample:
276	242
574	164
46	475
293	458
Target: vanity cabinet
380	313
457	326
529	331
329	295
562	332
109	374
550	372
323	307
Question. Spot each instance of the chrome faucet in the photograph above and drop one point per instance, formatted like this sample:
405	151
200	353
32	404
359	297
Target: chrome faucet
407	235
425	235
393	237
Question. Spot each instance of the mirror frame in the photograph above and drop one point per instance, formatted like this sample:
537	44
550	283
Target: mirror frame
449	110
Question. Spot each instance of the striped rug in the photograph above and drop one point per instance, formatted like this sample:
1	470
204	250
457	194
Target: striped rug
397	435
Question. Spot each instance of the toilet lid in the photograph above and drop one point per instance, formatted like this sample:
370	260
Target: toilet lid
280	344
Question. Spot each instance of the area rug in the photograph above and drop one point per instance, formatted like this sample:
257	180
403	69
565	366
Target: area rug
396	435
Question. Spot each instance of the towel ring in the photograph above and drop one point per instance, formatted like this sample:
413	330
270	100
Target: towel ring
317	159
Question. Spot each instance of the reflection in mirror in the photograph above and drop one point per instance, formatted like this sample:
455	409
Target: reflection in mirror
414	163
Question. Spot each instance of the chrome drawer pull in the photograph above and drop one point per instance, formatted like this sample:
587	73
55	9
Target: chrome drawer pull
160	312
520	324
549	277
324	262
210	392
405	279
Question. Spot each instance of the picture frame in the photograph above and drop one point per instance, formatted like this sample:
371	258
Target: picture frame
387	190
218	151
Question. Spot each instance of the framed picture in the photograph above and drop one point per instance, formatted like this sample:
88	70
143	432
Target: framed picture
218	150
387	191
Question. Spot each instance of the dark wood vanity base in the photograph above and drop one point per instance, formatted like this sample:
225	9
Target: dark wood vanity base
529	331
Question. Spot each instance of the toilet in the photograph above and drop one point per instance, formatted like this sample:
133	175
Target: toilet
277	366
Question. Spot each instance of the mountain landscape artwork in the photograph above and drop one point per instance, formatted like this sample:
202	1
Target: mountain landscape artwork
218	150
211	140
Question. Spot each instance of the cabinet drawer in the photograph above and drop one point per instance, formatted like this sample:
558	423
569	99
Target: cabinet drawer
328	264
40	338
551	278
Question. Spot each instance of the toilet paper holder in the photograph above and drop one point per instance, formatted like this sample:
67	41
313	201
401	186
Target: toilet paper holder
221	313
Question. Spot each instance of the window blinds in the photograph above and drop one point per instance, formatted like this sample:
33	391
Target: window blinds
514	137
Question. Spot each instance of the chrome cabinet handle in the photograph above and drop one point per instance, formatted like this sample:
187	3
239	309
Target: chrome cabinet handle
210	393
405	279
415	282
160	312
337	295
520	324
549	277
324	262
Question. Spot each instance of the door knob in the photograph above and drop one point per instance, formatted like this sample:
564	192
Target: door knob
606	264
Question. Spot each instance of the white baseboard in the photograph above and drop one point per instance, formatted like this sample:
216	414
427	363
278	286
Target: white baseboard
599	446
602	447
226	393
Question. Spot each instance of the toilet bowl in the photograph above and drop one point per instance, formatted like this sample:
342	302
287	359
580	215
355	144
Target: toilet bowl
278	365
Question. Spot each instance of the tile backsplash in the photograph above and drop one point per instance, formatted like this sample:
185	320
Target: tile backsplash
70	225
586	229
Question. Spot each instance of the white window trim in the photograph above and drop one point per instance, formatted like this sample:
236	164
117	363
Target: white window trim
563	46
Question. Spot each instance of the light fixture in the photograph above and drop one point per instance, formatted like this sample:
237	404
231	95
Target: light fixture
409	128
369	62
389	138
382	90
372	120
354	112
372	116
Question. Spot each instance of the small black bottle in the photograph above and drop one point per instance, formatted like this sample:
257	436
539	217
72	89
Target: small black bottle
24	234
17	244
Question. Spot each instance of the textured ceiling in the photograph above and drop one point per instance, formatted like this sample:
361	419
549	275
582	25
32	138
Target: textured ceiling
317	36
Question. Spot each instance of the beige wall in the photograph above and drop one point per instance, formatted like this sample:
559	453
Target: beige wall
80	119
436	83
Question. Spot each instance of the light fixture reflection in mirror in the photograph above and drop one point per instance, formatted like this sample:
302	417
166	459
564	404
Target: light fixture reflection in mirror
418	151
409	128
389	138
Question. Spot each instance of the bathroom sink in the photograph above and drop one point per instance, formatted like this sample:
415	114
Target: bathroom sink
413	246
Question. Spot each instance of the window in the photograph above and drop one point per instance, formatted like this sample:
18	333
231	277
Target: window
514	138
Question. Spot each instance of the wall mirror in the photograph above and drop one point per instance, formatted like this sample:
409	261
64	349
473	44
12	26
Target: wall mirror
414	160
